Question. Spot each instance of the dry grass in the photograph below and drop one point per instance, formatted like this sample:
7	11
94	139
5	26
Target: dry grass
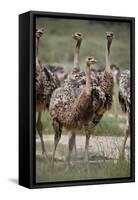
98	167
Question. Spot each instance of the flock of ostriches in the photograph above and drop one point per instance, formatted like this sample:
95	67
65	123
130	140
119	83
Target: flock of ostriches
82	99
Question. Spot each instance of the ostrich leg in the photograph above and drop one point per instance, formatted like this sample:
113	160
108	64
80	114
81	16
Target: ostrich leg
127	133
58	131
88	132
39	127
71	144
75	146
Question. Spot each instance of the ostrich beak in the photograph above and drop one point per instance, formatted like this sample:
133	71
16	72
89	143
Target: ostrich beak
94	61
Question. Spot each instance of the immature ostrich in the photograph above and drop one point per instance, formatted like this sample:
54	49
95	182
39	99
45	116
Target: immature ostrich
48	77
104	81
38	84
76	68
46	83
71	112
123	81
38	34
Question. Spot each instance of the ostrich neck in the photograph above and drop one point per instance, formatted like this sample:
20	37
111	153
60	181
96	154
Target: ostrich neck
107	62
88	79
37	45
107	83
116	77
76	57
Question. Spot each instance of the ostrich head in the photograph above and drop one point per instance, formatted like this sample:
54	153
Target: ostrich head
90	60
39	32
109	37
116	73
77	36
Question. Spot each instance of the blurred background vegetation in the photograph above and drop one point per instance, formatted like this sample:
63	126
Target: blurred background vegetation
57	45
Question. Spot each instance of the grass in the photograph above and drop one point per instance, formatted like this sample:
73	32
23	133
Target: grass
79	170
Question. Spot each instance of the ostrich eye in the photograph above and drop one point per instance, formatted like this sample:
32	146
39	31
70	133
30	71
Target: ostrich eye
111	34
89	59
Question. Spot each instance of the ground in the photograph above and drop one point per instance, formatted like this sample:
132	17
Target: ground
103	160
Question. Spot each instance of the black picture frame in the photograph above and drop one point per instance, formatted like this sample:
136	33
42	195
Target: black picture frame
27	100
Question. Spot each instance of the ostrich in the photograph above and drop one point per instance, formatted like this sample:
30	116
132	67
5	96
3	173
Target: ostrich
71	112
104	81
76	67
47	78
77	36
38	34
46	83
102	90
122	79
